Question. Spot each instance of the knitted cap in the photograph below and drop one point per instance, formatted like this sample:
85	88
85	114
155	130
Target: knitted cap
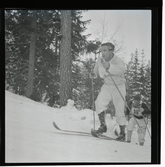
109	45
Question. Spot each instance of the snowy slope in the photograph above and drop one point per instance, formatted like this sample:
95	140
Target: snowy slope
30	136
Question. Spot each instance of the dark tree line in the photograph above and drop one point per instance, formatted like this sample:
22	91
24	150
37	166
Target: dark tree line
33	40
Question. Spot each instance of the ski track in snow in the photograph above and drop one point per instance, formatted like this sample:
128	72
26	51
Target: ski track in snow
31	137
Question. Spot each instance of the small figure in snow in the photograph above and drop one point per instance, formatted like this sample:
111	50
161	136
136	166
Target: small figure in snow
116	67
70	104
138	115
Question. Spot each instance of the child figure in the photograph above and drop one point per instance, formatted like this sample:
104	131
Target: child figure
138	115
106	65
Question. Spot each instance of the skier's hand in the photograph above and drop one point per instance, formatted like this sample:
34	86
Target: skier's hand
105	64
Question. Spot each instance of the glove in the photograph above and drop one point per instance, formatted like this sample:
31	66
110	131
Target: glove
106	65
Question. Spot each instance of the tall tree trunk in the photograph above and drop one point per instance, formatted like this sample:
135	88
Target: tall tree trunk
29	89
65	58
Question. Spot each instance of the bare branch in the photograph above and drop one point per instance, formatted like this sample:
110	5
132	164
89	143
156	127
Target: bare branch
116	31
104	28
118	44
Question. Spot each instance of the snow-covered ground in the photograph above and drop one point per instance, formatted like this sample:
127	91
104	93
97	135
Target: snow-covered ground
31	137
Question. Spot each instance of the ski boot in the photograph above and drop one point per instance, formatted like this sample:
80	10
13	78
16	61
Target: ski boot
103	126
121	136
141	143
129	134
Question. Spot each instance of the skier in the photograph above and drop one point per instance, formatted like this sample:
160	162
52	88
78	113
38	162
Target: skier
116	67
138	115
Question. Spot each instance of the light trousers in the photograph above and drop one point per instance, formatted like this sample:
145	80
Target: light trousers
110	93
141	130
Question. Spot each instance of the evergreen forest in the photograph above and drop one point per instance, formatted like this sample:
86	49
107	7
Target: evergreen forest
44	61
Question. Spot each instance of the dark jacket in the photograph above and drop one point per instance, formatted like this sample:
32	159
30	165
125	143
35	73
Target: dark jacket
145	113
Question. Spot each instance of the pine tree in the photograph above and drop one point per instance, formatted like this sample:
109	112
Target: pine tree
142	79
30	80
16	47
138	77
148	84
133	76
18	28
47	51
65	58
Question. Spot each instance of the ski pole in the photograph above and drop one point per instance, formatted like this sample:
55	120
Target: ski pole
93	105
122	96
146	126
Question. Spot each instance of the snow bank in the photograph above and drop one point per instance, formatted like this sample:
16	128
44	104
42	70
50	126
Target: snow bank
30	136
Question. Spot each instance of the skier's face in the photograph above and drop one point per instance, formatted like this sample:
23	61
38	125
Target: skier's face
107	53
136	103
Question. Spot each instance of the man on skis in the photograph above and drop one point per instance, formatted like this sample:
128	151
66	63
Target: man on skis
106	65
138	115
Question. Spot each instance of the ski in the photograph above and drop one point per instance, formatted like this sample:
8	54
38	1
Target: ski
70	131
93	133
101	136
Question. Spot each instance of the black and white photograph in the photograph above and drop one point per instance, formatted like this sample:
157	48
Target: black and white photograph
78	86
